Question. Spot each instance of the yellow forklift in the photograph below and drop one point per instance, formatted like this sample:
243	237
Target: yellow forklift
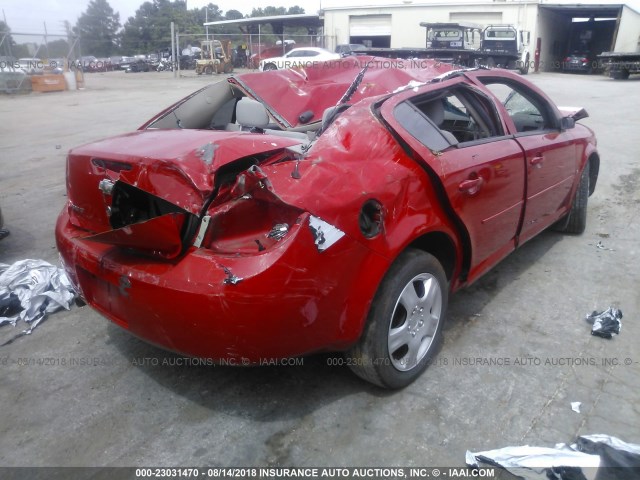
215	56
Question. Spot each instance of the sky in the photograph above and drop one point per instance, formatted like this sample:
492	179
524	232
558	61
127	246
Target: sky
29	16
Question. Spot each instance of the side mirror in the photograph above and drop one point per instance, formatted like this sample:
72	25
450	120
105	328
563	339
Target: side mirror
567	123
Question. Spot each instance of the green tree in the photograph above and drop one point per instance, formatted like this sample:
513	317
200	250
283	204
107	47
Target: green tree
268	11
98	29
271	11
58	48
150	29
8	45
233	15
268	30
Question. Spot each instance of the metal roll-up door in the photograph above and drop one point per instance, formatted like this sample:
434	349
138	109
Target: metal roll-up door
370	25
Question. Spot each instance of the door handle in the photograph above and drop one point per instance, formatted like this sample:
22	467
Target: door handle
471	186
536	161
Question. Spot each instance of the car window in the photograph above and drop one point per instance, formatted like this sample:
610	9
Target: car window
444	34
418	125
528	112
466	116
459	116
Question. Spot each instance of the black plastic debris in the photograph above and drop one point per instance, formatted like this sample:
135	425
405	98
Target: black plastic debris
605	324
10	306
537	463
618	459
591	457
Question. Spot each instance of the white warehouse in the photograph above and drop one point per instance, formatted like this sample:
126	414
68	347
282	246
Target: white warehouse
555	28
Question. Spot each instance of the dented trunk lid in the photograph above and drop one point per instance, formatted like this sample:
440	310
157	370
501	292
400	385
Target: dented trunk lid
176	166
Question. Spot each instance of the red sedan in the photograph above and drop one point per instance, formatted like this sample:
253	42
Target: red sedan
332	208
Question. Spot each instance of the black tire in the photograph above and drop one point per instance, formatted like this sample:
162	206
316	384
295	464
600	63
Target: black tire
524	68
415	282
576	221
619	74
208	70
270	66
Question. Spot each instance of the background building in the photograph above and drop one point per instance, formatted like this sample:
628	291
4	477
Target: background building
556	28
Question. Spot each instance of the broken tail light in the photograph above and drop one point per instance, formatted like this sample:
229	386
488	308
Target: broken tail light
249	225
145	223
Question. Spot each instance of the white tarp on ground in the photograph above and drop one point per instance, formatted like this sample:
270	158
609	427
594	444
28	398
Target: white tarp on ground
39	287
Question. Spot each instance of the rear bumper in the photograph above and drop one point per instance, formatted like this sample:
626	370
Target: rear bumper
292	299
576	67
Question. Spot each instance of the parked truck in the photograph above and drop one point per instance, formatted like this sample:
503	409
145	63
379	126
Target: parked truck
620	65
457	43
505	46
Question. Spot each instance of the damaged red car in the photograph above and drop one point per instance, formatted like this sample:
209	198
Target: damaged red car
329	208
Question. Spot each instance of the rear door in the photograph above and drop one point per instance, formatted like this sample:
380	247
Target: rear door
482	169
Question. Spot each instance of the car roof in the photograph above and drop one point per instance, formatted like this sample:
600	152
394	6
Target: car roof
320	87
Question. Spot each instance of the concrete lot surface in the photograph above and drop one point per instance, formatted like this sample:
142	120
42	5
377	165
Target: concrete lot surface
80	391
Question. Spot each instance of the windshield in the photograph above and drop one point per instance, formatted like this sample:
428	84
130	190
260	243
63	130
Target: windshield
445	34
500	34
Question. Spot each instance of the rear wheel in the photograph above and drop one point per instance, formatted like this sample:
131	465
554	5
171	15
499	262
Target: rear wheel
208	70
270	66
404	326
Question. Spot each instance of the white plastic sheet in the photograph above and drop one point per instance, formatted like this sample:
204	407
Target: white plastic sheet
40	288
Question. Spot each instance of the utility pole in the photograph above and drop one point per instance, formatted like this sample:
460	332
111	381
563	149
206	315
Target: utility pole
46	41
174	57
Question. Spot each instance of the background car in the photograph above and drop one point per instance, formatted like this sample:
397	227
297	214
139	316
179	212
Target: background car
31	66
304	56
55	65
8	64
267	52
138	65
585	62
125	62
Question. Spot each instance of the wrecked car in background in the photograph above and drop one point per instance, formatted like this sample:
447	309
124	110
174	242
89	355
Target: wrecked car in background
322	209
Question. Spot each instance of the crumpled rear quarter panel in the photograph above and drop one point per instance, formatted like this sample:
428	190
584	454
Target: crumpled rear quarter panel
292	300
